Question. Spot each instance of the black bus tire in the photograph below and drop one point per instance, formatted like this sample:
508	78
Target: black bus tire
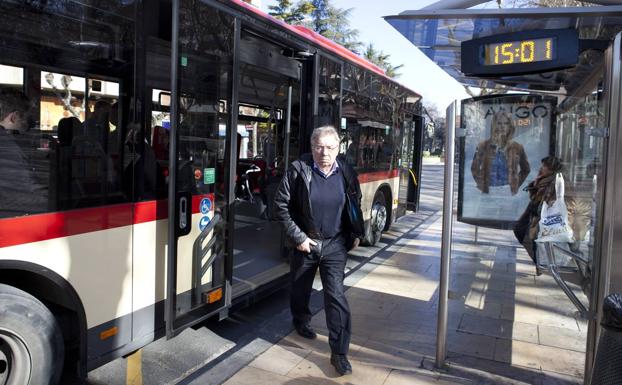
31	343
378	219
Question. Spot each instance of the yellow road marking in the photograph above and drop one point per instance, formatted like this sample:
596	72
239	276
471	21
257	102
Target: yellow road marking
134	374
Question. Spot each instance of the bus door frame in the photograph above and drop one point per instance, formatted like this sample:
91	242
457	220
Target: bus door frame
180	203
414	188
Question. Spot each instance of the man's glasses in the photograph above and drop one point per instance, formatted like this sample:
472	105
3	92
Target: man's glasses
317	148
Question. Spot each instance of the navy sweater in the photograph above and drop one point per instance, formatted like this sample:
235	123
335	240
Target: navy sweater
327	201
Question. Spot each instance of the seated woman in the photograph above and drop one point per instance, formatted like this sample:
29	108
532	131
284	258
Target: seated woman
540	190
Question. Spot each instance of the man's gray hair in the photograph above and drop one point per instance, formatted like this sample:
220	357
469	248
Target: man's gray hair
324	131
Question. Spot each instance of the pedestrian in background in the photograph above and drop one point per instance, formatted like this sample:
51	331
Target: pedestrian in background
317	204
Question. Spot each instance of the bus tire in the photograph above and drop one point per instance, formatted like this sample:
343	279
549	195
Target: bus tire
378	219
31	343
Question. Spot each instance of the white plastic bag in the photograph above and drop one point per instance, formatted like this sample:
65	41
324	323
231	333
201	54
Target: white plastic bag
553	226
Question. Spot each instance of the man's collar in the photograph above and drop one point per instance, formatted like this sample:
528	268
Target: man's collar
333	169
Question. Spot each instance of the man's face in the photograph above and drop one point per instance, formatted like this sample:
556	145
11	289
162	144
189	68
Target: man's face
325	150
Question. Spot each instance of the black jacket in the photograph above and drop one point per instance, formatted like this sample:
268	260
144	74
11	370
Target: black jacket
292	202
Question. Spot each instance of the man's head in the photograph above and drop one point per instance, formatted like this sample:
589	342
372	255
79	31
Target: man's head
14	108
325	146
502	128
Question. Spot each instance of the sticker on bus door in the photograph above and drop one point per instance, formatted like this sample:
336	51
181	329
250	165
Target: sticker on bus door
206	206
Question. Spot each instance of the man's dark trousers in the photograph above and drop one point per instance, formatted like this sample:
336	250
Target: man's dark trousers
331	259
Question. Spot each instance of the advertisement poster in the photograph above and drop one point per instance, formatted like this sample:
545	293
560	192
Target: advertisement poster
505	137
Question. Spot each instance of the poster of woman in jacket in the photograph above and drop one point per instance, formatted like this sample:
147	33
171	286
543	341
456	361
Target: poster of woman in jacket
504	136
499	161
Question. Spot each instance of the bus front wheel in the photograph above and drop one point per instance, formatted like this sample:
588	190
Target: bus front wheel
378	219
31	344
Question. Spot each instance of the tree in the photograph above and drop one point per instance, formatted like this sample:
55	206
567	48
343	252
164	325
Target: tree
333	23
381	59
434	134
290	13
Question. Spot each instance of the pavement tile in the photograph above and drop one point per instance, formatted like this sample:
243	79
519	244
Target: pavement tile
421	377
360	306
503	350
280	358
498	328
387	354
471	344
255	376
549	358
317	369
563	338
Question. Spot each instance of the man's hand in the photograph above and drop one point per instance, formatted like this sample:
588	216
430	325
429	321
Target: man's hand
305	246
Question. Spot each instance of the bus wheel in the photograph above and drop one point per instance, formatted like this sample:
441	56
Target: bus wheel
378	218
31	344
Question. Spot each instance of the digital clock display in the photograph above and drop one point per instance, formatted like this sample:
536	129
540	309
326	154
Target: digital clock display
520	51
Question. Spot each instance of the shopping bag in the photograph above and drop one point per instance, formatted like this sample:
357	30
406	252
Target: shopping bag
553	225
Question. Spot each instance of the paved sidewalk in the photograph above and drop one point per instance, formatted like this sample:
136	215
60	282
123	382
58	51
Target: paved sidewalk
506	325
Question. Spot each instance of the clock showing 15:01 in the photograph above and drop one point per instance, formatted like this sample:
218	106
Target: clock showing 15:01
520	51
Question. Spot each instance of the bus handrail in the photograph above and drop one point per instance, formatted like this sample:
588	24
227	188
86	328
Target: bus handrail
199	252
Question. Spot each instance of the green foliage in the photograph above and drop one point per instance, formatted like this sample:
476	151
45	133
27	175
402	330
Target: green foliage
290	13
333	23
381	59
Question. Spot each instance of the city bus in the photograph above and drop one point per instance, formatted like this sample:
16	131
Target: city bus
143	145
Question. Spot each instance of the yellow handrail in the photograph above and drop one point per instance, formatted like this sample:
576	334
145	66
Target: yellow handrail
413	175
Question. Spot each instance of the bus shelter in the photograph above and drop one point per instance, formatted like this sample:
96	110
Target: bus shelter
555	73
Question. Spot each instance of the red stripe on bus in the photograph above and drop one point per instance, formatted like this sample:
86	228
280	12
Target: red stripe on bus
42	227
377	175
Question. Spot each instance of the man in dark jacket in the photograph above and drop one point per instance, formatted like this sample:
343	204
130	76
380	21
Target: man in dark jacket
316	204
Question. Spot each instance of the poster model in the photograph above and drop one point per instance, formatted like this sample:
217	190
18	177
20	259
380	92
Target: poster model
505	137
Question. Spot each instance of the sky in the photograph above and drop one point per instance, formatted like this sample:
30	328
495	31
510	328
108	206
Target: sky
419	73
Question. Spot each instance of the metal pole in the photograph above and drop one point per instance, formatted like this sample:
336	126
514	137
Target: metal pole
448	198
171	258
288	124
476	231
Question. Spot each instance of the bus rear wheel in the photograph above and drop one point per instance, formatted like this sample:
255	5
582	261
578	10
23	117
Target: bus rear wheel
31	344
378	219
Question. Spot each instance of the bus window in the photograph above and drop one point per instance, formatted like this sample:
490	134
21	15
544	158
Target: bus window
68	145
329	93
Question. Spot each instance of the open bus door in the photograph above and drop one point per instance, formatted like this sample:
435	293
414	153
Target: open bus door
198	285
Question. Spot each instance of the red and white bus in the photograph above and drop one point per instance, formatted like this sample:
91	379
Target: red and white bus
134	202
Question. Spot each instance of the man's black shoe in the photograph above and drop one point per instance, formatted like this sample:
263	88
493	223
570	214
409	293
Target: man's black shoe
306	331
341	364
